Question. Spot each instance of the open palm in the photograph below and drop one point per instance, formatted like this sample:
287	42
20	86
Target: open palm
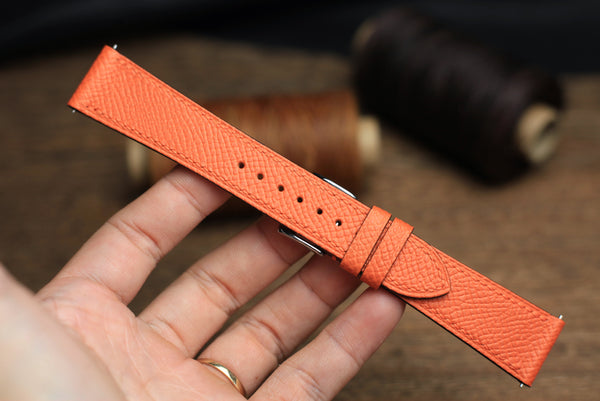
76	339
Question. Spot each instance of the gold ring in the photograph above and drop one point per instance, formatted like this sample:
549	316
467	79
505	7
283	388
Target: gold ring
225	372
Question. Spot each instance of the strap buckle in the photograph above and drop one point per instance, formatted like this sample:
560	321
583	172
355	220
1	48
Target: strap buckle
300	239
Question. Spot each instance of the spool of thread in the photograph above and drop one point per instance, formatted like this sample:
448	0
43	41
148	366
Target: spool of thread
321	132
485	111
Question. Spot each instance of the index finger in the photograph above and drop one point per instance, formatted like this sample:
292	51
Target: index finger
123	252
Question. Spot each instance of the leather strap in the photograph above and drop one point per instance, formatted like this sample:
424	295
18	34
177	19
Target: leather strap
381	250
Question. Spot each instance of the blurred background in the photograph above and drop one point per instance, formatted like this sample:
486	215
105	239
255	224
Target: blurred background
536	233
557	34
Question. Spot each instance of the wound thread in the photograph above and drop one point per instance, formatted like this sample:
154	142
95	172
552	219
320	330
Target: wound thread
323	133
481	109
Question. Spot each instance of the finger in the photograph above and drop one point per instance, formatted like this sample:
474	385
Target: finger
321	369
39	358
194	307
262	338
123	252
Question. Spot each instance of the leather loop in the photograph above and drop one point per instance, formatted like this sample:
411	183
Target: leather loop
363	244
388	248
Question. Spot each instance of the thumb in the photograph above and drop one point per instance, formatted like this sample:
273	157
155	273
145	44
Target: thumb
40	359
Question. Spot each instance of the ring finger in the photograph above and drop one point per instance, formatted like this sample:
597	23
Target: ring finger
267	334
322	368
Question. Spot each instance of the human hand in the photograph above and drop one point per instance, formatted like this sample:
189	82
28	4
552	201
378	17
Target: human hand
77	340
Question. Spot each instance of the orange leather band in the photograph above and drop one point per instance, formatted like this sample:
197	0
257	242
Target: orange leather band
511	332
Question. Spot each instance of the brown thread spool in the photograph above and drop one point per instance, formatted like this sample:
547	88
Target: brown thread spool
321	132
487	112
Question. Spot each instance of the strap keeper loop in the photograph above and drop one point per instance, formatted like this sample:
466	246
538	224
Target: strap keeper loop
365	241
388	248
376	246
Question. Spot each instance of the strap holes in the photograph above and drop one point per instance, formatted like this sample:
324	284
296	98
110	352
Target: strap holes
338	223
299	199
260	176
241	165
319	211
280	188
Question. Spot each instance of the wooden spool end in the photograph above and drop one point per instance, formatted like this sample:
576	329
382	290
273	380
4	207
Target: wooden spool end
536	133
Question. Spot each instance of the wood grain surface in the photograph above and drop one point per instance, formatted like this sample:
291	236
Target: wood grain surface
62	176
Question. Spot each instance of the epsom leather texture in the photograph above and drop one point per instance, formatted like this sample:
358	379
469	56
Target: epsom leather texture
369	242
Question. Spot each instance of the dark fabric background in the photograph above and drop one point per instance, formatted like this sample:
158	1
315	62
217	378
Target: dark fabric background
559	35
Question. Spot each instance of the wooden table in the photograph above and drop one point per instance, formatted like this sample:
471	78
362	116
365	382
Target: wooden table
62	175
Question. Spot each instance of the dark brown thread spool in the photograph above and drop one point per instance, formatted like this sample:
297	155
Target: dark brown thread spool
486	112
321	132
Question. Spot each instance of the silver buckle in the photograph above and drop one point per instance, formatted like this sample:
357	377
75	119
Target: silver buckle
300	239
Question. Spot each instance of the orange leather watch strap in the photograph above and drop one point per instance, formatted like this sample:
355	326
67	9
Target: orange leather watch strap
383	251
